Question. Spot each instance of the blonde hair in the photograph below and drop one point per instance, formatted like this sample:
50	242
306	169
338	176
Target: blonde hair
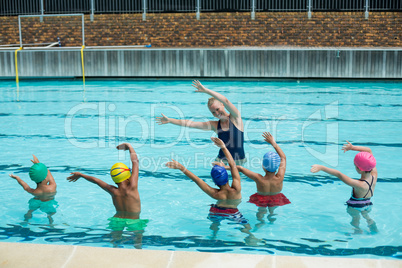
211	101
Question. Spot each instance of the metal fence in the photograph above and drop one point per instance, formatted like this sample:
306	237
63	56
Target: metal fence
35	7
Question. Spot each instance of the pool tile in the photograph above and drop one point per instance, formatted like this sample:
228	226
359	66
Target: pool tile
24	255
33	255
200	260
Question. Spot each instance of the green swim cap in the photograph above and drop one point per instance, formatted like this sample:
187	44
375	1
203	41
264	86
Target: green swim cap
38	172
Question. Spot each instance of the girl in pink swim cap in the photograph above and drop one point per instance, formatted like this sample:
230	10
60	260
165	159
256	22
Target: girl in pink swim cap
362	189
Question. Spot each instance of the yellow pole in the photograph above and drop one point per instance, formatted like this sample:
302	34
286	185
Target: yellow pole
82	64
16	65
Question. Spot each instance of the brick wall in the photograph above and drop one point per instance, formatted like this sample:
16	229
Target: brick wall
324	29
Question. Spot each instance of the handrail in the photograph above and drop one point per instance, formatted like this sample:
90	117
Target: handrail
82	64
16	65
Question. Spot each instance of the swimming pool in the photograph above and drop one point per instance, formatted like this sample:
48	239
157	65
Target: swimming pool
74	128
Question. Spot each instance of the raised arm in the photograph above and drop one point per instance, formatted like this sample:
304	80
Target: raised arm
233	168
347	180
228	105
282	167
202	184
209	125
134	162
351	147
249	174
24	185
76	175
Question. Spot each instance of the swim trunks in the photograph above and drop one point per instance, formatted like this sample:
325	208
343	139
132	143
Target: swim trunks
218	214
118	224
234	141
269	200
48	207
361	204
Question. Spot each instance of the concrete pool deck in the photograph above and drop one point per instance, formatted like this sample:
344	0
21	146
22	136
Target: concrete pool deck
40	255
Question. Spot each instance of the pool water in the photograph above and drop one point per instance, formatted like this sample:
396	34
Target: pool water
70	127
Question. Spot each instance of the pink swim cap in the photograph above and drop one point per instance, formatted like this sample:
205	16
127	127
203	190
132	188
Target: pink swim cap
365	161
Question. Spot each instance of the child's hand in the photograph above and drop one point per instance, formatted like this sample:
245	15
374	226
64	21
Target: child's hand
316	168
220	163
268	137
162	120
216	163
74	177
123	146
13	176
35	159
218	142
175	165
347	147
200	88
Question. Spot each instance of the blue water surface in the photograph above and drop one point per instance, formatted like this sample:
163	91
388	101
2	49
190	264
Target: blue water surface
70	127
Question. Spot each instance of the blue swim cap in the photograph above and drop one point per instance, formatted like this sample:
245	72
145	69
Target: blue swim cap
219	175
271	161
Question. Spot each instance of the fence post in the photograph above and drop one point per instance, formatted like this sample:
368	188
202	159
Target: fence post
253	9
198	10
366	13
144	14
92	10
41	10
309	9
19	29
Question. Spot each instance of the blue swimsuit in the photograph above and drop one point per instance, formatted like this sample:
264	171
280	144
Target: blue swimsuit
233	139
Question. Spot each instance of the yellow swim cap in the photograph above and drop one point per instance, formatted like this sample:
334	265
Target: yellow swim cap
120	172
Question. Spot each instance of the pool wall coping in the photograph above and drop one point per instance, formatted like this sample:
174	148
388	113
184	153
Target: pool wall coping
44	255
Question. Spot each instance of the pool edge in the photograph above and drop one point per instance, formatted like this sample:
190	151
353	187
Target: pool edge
43	255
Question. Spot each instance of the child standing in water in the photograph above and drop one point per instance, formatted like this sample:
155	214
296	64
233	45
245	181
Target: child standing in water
269	186
126	198
44	192
228	196
362	189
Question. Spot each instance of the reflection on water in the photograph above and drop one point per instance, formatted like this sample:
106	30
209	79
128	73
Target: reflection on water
128	239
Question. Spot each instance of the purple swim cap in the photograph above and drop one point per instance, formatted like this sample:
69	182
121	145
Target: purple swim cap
365	161
271	161
219	175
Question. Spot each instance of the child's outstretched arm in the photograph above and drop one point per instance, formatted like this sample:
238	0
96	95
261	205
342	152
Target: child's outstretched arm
228	105
186	123
24	185
347	180
250	174
282	167
134	162
233	168
76	175
351	147
202	184
49	175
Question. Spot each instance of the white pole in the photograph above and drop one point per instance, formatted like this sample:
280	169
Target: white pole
19	29
198	10
42	11
253	10
144	14
92	10
366	14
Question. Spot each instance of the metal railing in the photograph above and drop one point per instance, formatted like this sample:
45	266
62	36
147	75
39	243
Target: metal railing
34	7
